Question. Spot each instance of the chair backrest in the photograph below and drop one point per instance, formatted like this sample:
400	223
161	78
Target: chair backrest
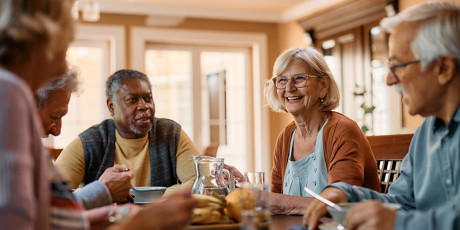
211	150
389	150
54	153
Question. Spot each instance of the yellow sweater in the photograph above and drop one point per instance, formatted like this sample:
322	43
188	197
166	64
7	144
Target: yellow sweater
135	154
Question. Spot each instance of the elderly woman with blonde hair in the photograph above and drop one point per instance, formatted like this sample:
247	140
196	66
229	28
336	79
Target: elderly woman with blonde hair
320	146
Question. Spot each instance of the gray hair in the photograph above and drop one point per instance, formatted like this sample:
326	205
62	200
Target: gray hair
318	66
113	83
69	82
439	31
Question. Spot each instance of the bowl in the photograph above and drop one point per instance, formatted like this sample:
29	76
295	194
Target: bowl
339	216
147	194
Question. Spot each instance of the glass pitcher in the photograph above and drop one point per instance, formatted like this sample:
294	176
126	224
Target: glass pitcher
210	176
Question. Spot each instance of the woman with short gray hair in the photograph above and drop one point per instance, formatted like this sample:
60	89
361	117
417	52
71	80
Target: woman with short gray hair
320	146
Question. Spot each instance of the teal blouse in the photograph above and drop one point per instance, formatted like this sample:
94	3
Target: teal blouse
309	171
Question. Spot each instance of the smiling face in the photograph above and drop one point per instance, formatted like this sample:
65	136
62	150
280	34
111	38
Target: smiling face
133	109
421	87
299	101
51	114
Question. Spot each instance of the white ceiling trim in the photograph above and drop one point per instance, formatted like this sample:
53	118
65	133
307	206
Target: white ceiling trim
305	8
148	9
301	10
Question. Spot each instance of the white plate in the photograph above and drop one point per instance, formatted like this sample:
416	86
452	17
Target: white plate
329	226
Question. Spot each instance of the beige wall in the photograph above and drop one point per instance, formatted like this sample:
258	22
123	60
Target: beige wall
404	4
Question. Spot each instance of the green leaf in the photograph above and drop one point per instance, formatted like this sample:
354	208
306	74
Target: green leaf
359	93
364	128
367	109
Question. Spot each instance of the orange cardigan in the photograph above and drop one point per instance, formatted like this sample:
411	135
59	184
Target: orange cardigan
347	153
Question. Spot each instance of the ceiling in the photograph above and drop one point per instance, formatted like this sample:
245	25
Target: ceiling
247	10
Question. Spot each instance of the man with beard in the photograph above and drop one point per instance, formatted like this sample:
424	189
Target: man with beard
157	150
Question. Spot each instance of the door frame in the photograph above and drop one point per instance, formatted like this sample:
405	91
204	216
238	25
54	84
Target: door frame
257	42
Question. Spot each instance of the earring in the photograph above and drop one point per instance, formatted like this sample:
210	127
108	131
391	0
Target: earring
322	99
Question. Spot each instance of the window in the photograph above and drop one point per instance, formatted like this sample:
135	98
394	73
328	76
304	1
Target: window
96	52
204	90
255	113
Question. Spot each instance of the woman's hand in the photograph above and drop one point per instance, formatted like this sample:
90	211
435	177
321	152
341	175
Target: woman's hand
237	175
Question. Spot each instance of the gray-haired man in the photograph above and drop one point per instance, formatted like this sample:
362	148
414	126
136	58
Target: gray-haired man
157	150
424	63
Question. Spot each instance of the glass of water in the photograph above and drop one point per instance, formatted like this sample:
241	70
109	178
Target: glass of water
257	214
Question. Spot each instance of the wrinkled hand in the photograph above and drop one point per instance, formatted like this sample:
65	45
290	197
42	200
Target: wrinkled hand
318	209
171	213
118	181
371	215
237	175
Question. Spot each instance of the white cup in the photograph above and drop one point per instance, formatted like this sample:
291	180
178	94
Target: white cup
147	194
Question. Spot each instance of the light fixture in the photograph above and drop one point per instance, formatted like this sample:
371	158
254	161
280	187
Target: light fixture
75	10
90	10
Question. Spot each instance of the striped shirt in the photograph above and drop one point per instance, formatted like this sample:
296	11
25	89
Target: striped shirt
32	194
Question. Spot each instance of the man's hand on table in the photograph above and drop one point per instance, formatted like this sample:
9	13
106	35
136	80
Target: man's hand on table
118	181
318	209
372	215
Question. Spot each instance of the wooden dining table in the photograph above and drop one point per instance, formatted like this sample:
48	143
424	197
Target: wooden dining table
285	222
278	222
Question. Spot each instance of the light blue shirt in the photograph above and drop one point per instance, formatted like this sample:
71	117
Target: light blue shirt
309	171
429	185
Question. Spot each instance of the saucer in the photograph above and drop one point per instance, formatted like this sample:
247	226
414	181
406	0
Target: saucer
329	226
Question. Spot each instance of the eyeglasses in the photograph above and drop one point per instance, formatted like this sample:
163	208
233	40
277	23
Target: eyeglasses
393	68
299	81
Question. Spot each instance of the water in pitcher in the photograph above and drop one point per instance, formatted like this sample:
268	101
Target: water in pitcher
209	176
222	191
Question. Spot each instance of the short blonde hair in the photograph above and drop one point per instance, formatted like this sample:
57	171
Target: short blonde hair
26	25
318	66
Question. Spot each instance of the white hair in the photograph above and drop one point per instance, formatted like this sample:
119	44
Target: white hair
69	82
439	32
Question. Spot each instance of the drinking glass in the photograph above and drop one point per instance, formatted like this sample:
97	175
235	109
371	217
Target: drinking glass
257	215
255	178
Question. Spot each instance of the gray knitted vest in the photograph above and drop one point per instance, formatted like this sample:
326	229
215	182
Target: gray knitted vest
99	147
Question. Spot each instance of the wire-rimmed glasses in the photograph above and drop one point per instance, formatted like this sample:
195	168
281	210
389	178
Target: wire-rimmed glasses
394	67
299	80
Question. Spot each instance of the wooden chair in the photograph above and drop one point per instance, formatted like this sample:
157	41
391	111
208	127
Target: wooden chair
389	150
54	153
211	150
